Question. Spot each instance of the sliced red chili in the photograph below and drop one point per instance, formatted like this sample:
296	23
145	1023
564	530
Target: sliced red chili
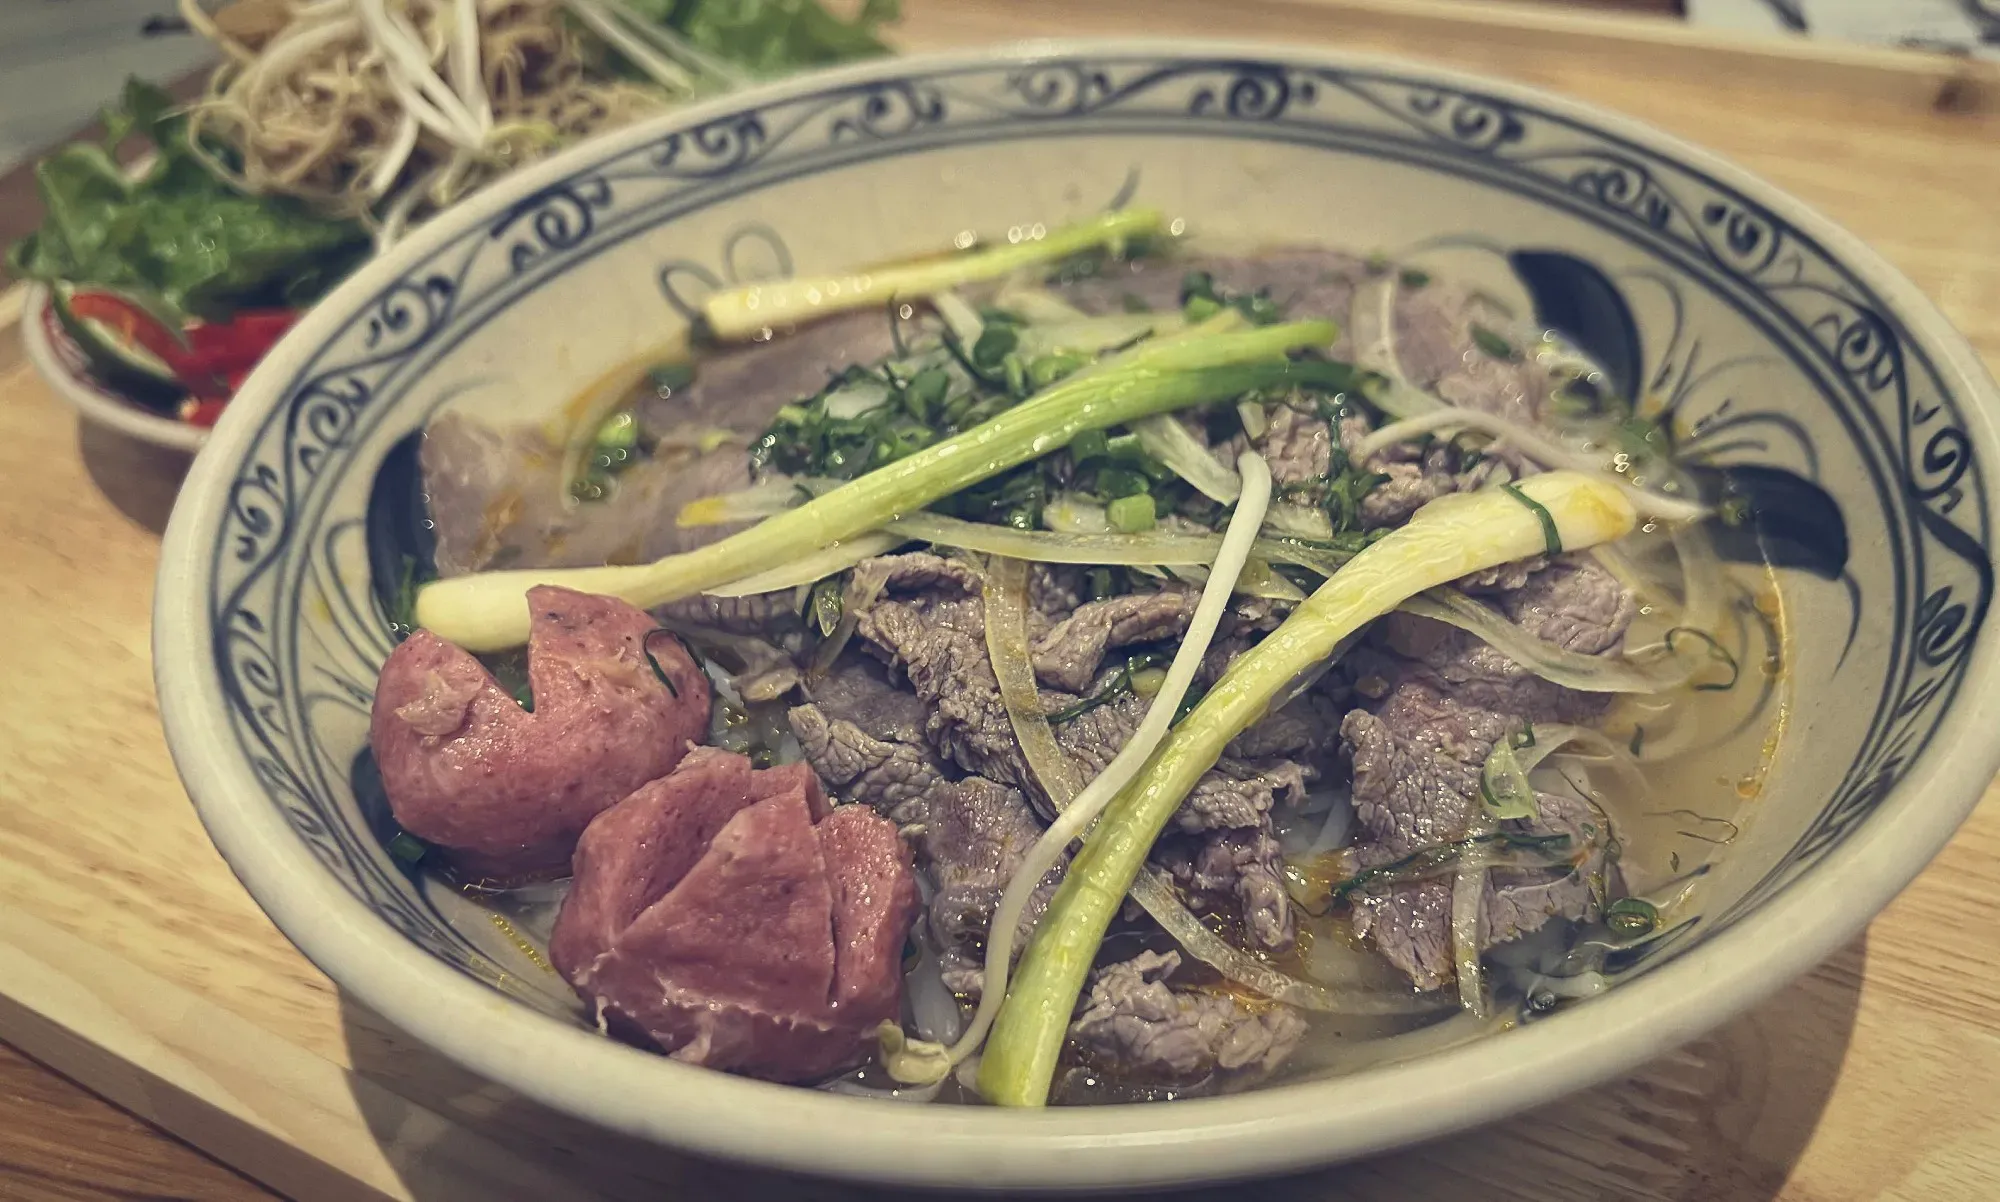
132	322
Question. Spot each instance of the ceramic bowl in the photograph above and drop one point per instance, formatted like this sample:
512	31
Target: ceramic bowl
65	369
1779	340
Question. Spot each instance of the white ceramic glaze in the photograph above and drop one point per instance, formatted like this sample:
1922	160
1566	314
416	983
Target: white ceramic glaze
268	632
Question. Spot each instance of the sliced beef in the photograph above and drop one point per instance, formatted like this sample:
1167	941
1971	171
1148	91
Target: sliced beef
1439	349
1068	655
507	791
1238	870
726	917
1304	281
1297	445
929	624
974	840
498	499
1134	1021
742	387
1445	699
764	615
864	736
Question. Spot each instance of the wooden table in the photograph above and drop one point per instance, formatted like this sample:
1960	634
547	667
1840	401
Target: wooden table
131	960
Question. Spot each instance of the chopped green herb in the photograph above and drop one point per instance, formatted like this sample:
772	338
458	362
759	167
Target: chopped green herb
1493	344
409	849
1550	534
669	376
1716	652
1412	278
646	649
1638	739
1631	917
1133	514
1118	686
827	603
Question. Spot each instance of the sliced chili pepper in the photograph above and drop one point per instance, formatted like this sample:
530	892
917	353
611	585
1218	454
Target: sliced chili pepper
131	321
240	341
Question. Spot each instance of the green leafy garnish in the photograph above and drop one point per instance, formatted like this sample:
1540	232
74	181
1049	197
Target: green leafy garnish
176	239
773	37
1493	344
1550	534
1631	917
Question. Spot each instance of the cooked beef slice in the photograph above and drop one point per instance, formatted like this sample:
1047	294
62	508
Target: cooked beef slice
1297	445
742	387
929	625
974	840
1132	1020
764	615
1411	924
1304	281
726	917
864	735
1239	870
498	499
1438	350
1068	655
506	792
1446	698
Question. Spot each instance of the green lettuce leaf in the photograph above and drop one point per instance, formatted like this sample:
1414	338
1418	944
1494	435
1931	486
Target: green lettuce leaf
176	237
772	37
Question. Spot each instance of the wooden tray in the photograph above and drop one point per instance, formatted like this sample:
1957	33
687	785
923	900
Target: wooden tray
132	960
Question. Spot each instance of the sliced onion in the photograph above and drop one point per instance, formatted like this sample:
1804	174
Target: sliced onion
856	399
1036	304
1372	329
1651	671
1467	894
1099	547
1006	599
1701	569
1504	791
1531	443
854	1088
1093	335
1043	546
1167	440
861	591
1299	521
1067	513
960	318
812	568
1255	421
774	496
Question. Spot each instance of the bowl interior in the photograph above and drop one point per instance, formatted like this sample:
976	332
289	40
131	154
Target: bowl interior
1772	348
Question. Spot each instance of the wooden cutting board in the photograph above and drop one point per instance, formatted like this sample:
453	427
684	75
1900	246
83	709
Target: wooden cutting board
132	960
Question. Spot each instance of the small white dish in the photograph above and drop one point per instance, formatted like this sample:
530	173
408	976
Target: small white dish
63	366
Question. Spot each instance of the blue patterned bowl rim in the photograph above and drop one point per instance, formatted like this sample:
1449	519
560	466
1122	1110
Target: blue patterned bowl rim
1792	927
